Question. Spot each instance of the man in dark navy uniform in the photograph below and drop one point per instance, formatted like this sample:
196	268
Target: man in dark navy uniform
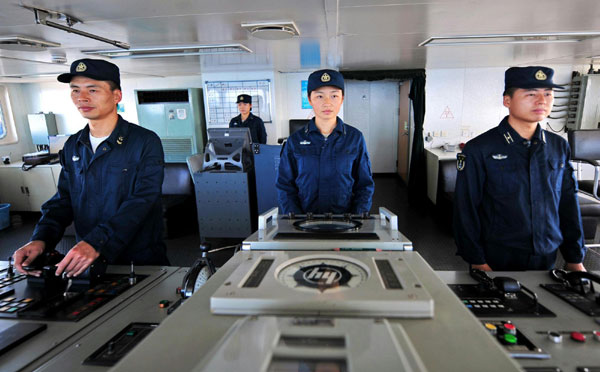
325	167
247	120
515	197
110	183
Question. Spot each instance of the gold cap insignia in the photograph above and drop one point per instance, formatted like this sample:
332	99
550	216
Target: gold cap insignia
120	140
241	98
325	77
540	75
81	67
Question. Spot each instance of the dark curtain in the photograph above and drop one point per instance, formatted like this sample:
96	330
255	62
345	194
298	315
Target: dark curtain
417	181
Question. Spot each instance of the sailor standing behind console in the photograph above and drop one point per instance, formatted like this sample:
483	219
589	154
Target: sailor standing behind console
109	186
325	166
515	203
248	120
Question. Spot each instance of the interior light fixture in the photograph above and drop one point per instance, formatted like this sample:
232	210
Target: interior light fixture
272	30
25	43
492	39
43	17
171	51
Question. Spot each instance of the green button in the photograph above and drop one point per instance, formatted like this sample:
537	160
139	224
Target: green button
511	339
130	333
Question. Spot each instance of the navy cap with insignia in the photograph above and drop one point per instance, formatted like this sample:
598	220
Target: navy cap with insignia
324	78
529	78
244	98
96	69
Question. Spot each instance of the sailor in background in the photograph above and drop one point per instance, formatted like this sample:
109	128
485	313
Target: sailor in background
515	200
247	120
109	185
325	167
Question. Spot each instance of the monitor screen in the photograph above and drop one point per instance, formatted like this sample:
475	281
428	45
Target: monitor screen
297	124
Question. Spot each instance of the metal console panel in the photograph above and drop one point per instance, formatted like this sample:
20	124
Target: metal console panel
360	284
334	344
383	227
567	355
141	307
59	335
453	340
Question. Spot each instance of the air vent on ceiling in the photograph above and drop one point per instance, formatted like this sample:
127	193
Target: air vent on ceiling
25	43
275	30
171	51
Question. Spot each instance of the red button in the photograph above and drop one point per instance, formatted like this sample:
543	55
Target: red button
578	336
510	328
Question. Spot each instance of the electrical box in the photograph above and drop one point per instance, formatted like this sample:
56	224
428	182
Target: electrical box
177	117
41	126
584	103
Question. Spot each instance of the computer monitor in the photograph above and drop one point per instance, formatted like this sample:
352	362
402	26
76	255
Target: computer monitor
297	124
227	140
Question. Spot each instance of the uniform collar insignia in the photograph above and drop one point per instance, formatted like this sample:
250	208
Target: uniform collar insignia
120	140
305	142
543	136
75	158
499	156
508	138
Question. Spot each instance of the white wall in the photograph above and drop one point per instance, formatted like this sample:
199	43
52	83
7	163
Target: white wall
463	103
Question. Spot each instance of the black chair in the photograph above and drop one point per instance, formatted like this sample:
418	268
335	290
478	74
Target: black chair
585	148
179	208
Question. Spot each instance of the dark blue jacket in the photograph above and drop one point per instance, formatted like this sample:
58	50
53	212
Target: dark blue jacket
113	196
256	125
515	201
321	175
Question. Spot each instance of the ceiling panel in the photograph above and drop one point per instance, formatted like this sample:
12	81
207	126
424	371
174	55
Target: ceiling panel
348	34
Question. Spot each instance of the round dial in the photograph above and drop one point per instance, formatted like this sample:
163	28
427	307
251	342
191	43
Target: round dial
202	277
320	274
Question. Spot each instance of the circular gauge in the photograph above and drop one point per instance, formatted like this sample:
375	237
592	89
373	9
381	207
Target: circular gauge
327	226
199	273
322	274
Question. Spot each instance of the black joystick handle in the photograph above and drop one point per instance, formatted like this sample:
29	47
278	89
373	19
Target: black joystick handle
205	248
9	271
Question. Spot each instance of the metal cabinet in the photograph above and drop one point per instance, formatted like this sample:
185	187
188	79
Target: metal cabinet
27	191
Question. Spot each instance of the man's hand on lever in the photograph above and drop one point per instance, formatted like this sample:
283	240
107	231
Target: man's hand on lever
25	255
482	267
575	267
79	258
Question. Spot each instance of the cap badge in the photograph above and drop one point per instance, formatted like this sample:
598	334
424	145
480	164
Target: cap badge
241	98
325	77
120	140
540	75
81	67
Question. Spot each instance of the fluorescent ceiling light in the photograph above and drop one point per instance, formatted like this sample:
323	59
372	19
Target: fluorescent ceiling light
25	43
172	51
44	17
490	39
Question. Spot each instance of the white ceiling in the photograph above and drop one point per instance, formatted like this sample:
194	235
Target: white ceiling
350	34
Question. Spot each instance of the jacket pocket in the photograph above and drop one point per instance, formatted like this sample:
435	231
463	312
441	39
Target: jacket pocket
501	178
556	170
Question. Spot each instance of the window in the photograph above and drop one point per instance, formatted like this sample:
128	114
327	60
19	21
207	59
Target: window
8	132
2	124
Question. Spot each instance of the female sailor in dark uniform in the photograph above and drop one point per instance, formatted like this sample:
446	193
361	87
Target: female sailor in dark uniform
325	167
247	120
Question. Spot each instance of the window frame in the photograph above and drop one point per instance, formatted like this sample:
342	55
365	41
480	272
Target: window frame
10	136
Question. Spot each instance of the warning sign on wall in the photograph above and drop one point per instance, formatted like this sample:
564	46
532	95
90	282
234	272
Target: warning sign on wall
447	114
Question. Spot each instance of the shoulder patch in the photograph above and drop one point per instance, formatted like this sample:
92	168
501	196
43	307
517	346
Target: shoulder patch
461	159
